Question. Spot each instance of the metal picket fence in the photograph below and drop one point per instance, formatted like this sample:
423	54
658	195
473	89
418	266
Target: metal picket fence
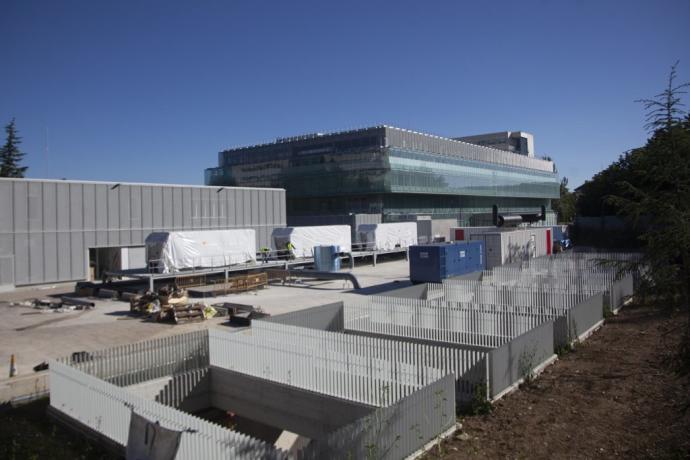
493	340
138	362
482	292
368	370
414	396
444	322
395	431
107	409
615	285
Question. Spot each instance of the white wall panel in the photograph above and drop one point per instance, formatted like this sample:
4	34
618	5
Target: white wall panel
48	226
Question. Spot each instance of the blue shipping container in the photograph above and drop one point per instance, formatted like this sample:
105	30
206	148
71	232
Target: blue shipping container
431	263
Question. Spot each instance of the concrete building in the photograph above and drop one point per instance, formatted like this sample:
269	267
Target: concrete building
56	231
393	172
518	142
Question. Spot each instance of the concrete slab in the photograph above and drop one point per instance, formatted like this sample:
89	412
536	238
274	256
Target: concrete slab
36	335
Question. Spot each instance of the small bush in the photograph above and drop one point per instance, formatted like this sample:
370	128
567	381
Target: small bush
480	405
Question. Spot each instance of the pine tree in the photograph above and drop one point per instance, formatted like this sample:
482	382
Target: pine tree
10	155
658	194
565	205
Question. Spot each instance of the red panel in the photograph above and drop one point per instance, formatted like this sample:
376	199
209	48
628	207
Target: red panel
549	245
459	234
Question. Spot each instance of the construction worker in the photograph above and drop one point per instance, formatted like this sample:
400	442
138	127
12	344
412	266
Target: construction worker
265	252
290	248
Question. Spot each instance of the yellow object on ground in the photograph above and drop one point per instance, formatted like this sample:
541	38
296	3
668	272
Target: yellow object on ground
209	312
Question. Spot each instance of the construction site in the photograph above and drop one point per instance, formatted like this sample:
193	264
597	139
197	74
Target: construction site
232	335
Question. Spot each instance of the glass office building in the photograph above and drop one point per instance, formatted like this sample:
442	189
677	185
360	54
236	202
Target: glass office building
392	171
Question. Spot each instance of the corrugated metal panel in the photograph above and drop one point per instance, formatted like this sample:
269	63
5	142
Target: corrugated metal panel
113	195
7	221
47	227
124	215
157	209
186	209
101	207
177	209
246	205
135	213
21	227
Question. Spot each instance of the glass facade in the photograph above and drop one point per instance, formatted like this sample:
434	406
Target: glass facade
419	172
356	172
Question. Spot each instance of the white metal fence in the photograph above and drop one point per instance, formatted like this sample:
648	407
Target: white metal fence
438	322
138	362
416	399
495	344
395	431
483	292
368	370
107	409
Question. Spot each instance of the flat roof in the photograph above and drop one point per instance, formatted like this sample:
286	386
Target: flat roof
446	146
140	184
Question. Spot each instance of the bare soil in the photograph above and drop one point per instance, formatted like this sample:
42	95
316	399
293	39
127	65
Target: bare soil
615	396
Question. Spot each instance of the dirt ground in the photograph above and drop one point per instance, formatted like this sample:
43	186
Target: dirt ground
615	396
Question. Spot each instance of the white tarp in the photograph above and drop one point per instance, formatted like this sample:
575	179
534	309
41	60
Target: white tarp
384	237
305	238
205	249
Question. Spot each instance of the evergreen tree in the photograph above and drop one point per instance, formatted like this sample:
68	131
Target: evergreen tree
564	207
656	192
10	155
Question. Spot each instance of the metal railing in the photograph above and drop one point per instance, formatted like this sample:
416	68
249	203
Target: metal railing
442	323
396	431
138	362
372	371
482	292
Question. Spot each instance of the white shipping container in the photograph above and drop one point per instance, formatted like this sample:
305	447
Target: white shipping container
174	251
513	246
305	238
384	237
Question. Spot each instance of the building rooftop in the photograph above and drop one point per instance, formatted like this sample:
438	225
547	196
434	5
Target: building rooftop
141	184
414	140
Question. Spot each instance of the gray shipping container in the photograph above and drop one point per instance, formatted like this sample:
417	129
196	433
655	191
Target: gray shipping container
48	228
514	246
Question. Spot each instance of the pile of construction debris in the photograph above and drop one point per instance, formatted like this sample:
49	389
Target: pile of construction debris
238	314
170	305
56	304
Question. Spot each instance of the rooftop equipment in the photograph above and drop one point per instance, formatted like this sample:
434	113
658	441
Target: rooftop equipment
169	252
303	239
385	237
327	258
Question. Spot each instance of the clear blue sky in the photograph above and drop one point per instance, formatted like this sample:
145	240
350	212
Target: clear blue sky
152	90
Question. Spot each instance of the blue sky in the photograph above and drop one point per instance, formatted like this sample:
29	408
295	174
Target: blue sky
152	90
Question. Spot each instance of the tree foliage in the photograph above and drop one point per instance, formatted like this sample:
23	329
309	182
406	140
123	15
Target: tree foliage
10	155
592	195
653	187
564	207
